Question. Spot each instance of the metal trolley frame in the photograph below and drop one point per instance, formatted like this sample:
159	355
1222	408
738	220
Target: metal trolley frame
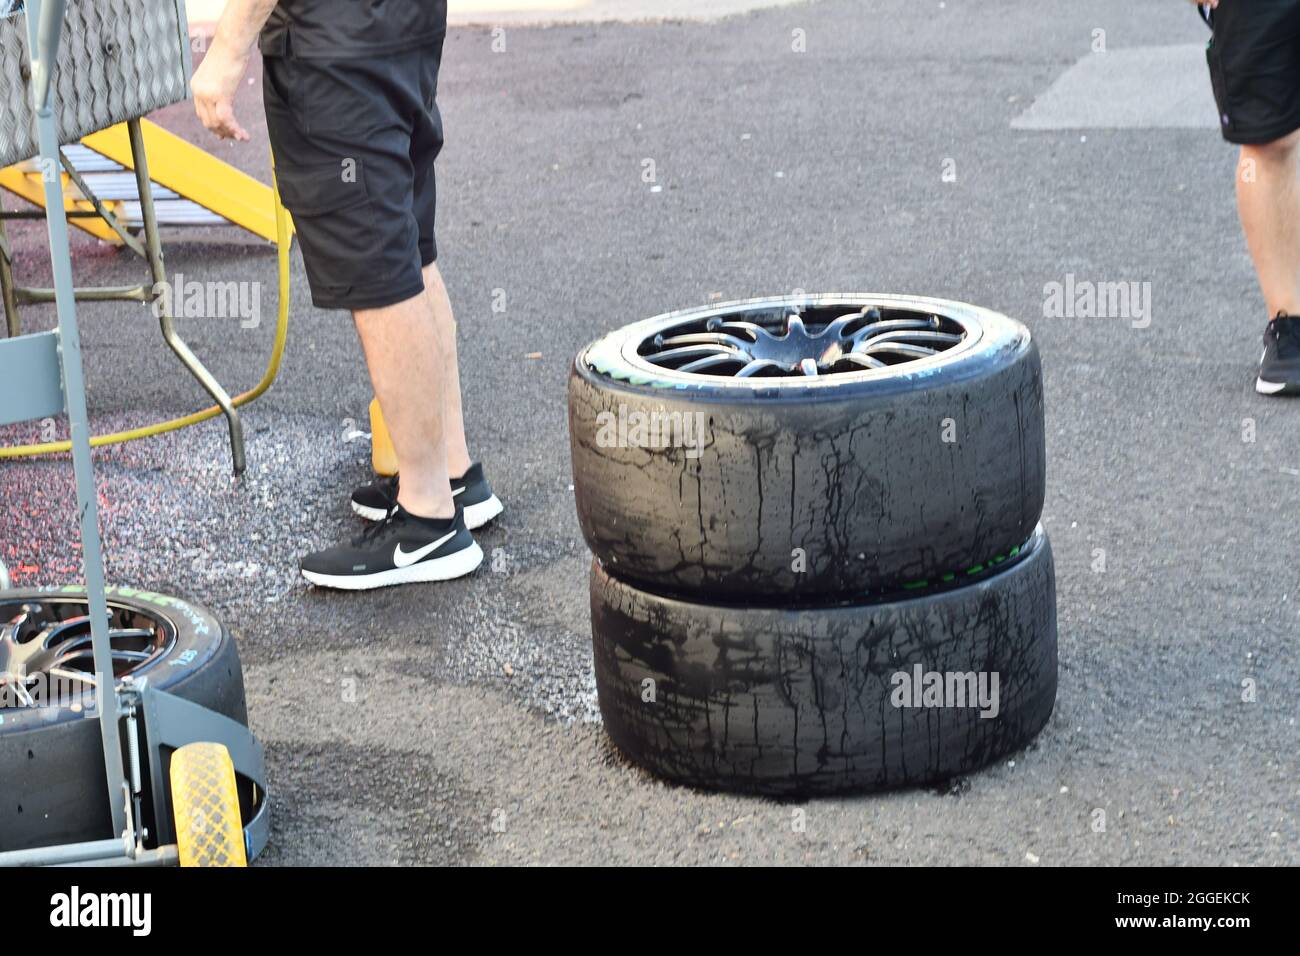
42	377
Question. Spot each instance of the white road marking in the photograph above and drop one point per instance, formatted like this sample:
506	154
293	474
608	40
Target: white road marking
1150	87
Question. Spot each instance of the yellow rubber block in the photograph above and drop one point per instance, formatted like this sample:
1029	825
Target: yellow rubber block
28	185
382	456
195	175
209	831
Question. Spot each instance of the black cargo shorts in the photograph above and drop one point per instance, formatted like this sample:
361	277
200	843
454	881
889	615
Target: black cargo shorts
1254	61
354	141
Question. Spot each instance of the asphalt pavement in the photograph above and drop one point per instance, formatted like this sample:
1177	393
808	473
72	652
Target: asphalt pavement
842	145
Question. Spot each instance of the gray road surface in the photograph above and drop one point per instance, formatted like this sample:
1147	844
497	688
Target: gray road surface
402	724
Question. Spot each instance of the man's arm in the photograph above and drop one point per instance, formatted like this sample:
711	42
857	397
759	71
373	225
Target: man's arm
217	78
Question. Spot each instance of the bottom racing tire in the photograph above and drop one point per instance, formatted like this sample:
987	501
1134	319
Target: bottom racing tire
52	788
854	696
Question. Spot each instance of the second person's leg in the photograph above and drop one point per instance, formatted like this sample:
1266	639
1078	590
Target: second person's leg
1268	199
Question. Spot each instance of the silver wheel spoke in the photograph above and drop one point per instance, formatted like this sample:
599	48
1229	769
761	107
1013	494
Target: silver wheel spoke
718	325
946	338
74	675
687	352
123	634
117	634
703	338
700	365
899	348
89	655
864	360
54	632
20	691
838	325
890	325
756	366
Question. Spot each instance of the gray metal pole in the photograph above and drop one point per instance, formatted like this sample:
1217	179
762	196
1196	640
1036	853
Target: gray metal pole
153	248
8	292
44	22
70	853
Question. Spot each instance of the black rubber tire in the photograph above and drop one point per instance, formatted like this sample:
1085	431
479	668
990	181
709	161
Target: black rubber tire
798	702
853	471
51	759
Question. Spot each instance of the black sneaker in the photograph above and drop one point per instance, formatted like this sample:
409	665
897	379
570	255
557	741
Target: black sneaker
472	493
1279	367
375	500
400	549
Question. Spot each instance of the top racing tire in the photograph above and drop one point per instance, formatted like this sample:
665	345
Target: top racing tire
804	447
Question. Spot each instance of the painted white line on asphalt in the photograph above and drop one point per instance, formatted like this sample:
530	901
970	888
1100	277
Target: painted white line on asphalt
1154	87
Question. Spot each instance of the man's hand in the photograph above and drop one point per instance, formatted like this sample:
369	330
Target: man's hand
214	85
218	76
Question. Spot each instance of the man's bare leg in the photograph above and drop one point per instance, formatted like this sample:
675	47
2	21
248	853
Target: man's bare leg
1268	199
407	362
453	418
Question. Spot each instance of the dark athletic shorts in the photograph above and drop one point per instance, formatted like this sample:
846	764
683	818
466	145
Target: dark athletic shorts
354	141
1254	61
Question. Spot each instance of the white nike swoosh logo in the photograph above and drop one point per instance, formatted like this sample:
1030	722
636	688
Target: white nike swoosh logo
457	491
403	560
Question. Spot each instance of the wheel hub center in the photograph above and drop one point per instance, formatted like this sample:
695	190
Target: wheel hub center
796	346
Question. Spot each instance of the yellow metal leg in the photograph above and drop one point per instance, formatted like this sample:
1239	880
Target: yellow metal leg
382	456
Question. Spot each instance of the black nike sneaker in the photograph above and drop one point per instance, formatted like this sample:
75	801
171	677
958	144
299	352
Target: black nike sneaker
375	500
399	549
1279	367
471	491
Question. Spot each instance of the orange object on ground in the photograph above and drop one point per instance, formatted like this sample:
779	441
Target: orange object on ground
382	456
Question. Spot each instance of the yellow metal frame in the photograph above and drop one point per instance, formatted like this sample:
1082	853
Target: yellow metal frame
283	240
195	174
26	183
174	163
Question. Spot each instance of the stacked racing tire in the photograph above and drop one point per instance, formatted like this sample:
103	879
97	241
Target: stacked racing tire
818	566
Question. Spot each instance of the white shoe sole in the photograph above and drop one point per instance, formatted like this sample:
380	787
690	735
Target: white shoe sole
370	514
476	516
1269	388
452	566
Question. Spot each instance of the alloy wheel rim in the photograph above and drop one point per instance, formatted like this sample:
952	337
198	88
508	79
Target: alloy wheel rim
849	342
46	643
789	342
